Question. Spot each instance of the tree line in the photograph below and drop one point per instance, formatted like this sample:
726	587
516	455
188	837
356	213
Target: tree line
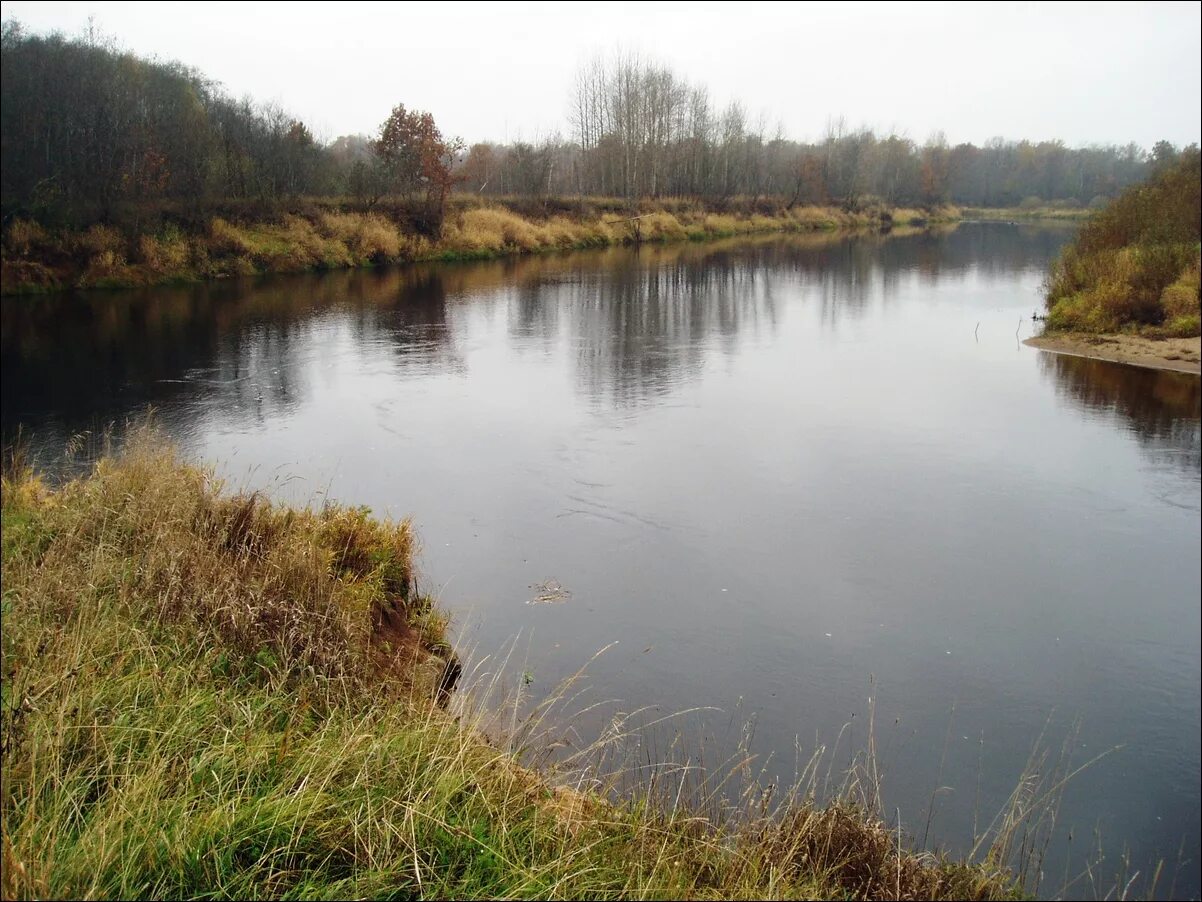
639	129
87	130
846	167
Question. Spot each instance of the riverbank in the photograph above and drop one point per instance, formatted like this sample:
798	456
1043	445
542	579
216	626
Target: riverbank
1043	212
1180	354
208	694
1136	265
175	246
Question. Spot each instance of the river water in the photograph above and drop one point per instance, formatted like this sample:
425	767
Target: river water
785	475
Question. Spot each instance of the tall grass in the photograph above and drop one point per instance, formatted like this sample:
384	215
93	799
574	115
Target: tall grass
1054	211
1135	263
205	694
331	235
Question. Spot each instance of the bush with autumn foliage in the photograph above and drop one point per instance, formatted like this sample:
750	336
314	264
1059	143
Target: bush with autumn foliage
1135	264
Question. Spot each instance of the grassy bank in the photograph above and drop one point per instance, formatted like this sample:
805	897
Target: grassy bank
181	246
1044	212
208	695
1134	266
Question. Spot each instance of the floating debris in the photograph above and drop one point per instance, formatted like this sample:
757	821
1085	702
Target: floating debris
549	592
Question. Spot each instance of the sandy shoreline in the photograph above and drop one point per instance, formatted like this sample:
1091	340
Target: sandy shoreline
1180	354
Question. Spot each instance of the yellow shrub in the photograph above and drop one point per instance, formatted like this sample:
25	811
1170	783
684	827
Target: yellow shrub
165	254
720	224
494	229
415	247
101	239
226	238
662	226
368	236
1184	326
604	231
819	217
306	247
343	226
906	215
1182	298
562	233
109	269
22	235
22	276
377	239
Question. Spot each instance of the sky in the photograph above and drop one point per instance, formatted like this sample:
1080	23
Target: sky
1096	73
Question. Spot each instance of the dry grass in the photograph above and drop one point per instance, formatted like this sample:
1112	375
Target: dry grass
28	277
167	253
825	218
369	238
1048	212
324	235
227	238
206	694
1181	302
493	230
101	239
23	237
662	226
1134	265
302	586
1155	288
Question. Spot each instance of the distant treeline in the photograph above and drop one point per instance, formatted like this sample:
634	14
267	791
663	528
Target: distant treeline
641	130
90	132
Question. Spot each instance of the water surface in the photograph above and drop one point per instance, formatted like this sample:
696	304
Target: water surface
784	475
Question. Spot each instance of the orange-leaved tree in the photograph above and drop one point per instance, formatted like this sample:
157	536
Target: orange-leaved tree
416	157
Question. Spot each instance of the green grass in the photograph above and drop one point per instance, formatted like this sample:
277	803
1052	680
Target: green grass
206	695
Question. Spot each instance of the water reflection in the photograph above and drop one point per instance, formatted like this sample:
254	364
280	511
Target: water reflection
640	321
1160	408
637	324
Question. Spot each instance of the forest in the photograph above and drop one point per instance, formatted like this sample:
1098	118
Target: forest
92	133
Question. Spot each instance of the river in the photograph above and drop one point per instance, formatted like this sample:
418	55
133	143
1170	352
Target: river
799	481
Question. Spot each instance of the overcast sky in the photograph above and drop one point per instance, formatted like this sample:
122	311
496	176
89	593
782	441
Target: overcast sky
1085	73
